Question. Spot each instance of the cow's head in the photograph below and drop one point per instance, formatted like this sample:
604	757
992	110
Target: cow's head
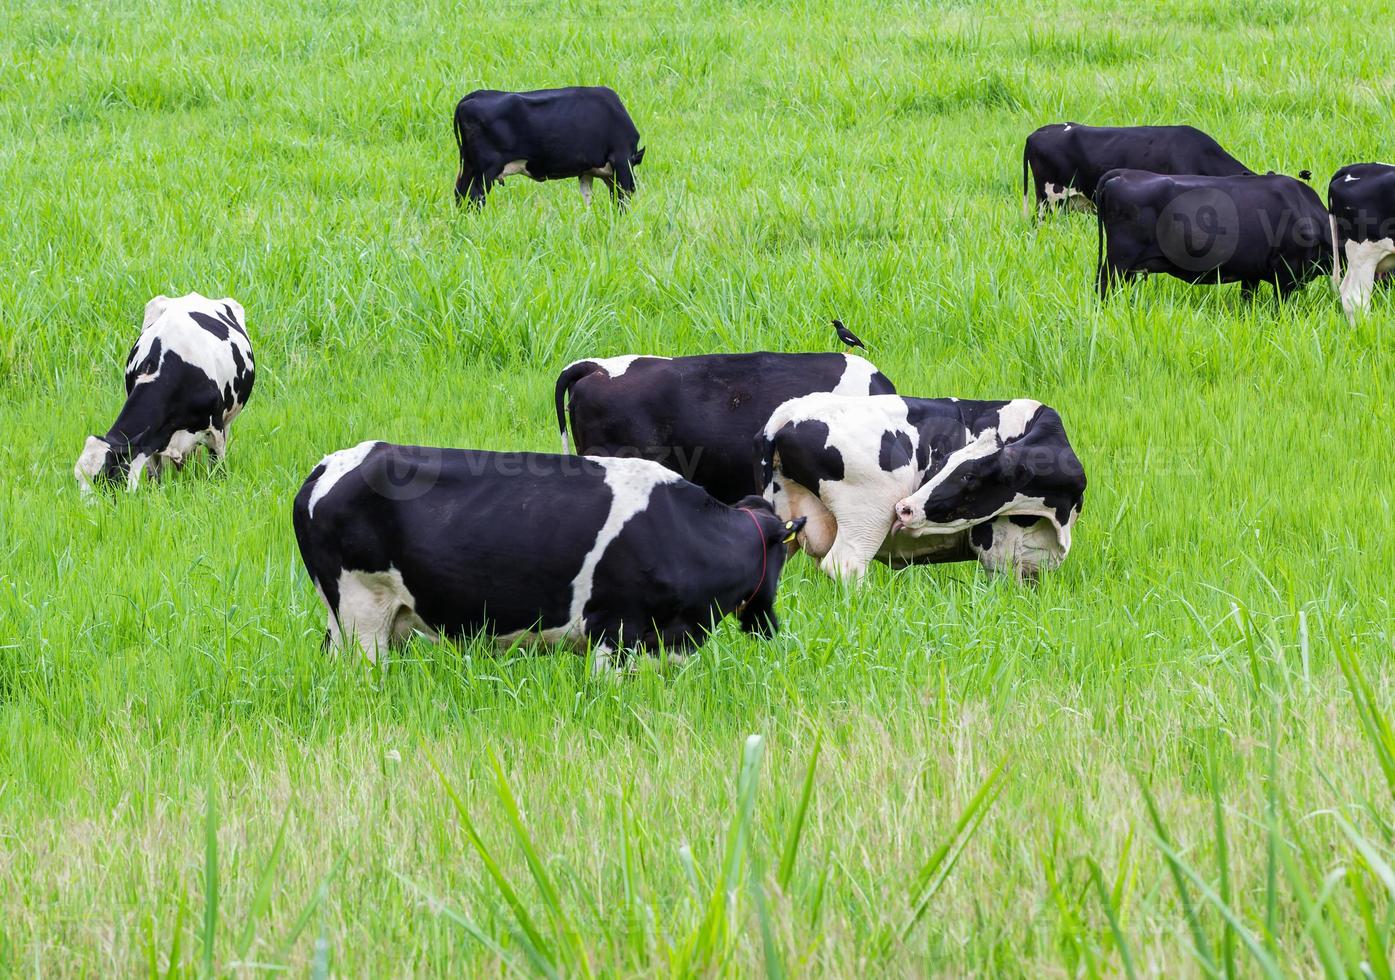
106	464
757	613
1022	466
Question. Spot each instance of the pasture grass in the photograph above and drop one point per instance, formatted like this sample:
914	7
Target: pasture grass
1173	757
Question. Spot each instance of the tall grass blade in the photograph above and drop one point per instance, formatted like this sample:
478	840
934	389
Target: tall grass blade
1261	956
1107	902
935	872
261	896
1175	868
210	878
1222	857
774	964
796	830
536	945
581	962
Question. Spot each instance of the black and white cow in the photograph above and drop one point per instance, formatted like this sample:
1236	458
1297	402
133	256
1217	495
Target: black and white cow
550	134
188	375
919	480
615	553
1361	199
697	415
1251	230
1066	160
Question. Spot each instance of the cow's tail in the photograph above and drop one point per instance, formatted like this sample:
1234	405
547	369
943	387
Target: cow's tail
1026	201
570	375
312	546
763	458
1336	255
459	145
1101	280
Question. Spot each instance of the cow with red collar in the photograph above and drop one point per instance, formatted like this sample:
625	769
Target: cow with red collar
614	554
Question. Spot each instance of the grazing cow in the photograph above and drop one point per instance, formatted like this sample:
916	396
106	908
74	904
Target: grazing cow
918	480
1361	199
549	134
697	415
615	553
1067	160
188	375
1250	230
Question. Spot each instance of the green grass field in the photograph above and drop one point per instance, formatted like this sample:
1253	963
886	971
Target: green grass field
954	774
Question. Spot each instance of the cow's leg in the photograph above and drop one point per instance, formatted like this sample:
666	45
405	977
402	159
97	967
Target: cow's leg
1364	260
584	181
864	516
377	609
1007	546
217	443
793	501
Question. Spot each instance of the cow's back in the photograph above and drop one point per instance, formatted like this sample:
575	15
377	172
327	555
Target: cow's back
699	415
479	539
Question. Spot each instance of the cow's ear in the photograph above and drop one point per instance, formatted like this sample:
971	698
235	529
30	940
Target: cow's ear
792	528
153	310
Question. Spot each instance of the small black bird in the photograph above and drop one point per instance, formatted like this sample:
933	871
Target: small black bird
847	336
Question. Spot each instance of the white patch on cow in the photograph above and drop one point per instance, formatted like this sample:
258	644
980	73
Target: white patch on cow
1014	416
377	609
856	378
154	310
1064	196
1026	551
1349	178
90	463
849	519
1066	129
617	366
584	181
1365	260
631	483
514	167
337	465
138	467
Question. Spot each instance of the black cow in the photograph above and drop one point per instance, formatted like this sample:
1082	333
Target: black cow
697	415
614	553
1250	230
188	375
549	134
1361	198
1067	160
916	480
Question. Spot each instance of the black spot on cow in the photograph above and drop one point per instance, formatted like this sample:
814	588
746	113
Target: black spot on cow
148	365
981	535
1025	520
805	455
220	324
895	452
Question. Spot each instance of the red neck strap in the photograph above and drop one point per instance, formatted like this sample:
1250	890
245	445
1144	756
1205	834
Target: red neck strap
764	552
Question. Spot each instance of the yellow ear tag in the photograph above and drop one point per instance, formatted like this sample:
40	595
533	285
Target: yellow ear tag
790	537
